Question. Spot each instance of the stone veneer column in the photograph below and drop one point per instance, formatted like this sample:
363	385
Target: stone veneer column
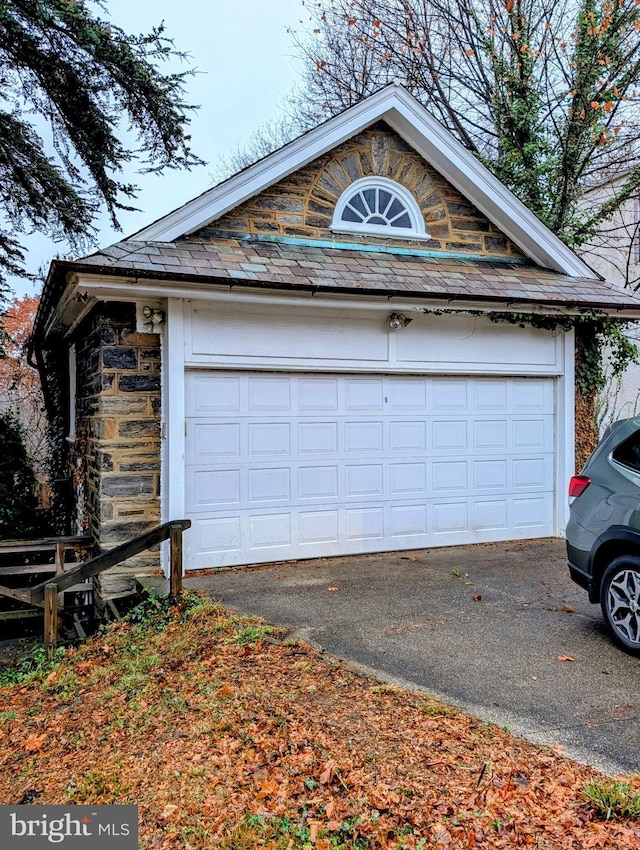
118	437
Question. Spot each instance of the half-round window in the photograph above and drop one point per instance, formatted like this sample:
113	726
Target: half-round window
380	207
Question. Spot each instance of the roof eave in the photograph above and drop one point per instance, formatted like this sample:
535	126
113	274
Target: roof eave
85	273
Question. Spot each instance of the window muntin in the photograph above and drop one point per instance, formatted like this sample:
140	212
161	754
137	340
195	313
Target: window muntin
378	206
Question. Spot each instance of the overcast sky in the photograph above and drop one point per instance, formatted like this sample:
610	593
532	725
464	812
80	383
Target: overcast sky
245	58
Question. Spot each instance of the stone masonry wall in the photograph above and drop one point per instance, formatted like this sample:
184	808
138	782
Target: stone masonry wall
302	205
117	444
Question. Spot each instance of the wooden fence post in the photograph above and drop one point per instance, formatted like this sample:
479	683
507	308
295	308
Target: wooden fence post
175	576
50	618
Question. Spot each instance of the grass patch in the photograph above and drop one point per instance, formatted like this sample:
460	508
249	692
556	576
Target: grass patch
154	613
251	634
34	665
609	799
434	708
285	833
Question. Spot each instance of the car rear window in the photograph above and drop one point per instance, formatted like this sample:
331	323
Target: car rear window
628	453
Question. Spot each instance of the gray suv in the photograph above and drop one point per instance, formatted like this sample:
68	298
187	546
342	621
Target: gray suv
603	533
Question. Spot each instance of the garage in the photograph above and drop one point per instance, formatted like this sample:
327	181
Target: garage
363	342
282	466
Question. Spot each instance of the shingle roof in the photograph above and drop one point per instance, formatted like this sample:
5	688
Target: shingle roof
285	265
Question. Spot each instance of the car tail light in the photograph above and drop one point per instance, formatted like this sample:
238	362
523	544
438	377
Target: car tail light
578	485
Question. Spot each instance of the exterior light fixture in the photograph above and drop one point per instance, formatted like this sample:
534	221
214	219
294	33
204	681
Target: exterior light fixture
154	316
396	321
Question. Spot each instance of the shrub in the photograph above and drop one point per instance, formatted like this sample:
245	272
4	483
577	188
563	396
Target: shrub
18	502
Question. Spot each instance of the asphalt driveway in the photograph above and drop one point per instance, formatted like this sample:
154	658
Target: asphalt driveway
484	627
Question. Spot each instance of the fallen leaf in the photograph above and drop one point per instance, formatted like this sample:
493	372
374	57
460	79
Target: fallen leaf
328	772
333	587
314	826
566	609
34	742
566	658
168	810
477	598
415	558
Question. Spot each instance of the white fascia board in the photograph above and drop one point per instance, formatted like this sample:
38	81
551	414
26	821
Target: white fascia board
256	178
104	288
422	132
457	165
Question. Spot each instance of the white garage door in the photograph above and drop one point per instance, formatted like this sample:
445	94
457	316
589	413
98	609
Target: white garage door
294	466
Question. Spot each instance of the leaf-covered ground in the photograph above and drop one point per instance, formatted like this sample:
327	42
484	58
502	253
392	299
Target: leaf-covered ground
228	735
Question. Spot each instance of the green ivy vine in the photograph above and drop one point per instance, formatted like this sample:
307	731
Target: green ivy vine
595	334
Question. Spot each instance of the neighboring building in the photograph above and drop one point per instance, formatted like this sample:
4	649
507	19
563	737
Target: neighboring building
331	381
615	254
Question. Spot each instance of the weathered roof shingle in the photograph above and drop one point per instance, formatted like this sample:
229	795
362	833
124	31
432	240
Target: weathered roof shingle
271	263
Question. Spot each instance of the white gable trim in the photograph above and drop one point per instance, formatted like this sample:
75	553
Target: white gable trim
428	137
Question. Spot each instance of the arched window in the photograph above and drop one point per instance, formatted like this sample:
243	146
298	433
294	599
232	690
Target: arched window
380	207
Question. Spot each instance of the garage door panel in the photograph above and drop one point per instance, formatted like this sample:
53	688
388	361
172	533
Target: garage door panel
364	437
219	487
269	485
208	394
532	434
450	476
318	482
407	520
531	472
317	395
407	479
289	466
491	515
490	396
270	530
212	537
408	394
490	435
490	475
319	526
407	437
268	439
532	513
531	395
363	394
315	438
450	517
212	441
450	394
363	480
365	523
450	435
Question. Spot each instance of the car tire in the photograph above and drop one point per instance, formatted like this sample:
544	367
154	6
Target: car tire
620	601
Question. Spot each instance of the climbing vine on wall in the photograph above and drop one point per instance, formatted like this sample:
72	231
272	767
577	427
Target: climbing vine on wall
595	335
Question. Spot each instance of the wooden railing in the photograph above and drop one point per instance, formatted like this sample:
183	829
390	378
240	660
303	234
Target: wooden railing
45	594
48	546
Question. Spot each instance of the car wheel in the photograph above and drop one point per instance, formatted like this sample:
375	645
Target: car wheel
620	601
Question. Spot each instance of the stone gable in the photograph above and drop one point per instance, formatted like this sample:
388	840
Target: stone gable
302	205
